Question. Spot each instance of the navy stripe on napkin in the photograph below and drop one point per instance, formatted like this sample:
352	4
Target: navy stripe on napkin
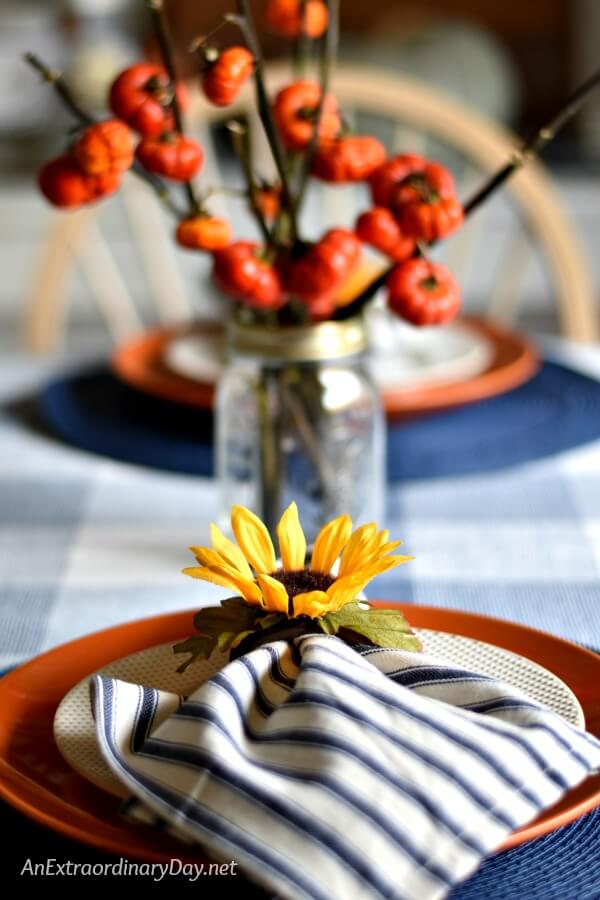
331	779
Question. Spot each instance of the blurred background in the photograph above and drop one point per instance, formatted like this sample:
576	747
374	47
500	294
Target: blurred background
511	62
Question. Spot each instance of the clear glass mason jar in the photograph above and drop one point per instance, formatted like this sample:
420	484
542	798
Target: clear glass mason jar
300	418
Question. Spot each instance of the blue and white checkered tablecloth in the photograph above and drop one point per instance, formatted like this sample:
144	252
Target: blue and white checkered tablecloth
87	542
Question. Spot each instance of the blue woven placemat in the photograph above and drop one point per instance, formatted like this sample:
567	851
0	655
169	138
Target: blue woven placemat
557	410
564	865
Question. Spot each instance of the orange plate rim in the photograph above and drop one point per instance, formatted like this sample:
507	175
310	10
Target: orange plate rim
139	363
62	667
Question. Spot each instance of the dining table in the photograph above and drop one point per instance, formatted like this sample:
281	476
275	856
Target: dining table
87	542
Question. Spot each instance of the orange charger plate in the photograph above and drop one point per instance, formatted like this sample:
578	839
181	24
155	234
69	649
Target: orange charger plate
36	780
139	363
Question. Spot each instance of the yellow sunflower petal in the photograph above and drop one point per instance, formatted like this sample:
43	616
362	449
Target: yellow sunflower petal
344	590
374	548
367	550
230	552
382	537
206	556
249	590
275	596
213	560
329	543
253	539
292	543
313	603
347	588
378	566
388	547
359	539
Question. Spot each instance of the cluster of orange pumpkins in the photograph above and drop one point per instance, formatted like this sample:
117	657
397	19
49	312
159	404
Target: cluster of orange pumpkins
93	167
414	199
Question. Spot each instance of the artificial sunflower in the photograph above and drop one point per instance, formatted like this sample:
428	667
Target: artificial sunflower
319	596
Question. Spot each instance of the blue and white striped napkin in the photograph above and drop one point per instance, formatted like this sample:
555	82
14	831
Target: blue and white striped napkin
334	775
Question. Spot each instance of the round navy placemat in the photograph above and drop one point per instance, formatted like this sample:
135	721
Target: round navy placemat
557	410
564	865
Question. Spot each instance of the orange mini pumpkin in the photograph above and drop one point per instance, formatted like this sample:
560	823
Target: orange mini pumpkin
352	158
385	180
63	183
240	272
172	155
291	18
104	147
140	95
431	220
379	228
295	109
268	200
422	292
223	79
316	277
204	233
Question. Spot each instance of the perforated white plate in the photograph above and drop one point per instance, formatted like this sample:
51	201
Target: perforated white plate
74	730
403	356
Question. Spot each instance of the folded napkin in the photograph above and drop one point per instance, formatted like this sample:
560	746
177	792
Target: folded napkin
334	774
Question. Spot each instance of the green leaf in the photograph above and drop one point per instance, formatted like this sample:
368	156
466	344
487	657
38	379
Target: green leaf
272	619
383	627
233	614
237	640
328	623
199	647
225	640
220	626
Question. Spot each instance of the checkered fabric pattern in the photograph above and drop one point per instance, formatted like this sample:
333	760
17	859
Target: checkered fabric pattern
86	542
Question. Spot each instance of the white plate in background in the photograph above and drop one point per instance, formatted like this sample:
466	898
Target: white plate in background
402	356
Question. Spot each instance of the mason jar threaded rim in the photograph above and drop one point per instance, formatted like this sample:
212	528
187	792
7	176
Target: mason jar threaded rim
297	343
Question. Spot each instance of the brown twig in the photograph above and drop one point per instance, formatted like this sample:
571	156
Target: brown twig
54	78
302	45
536	143
245	22
241	144
198	42
327	58
528	150
162	36
270	450
156	8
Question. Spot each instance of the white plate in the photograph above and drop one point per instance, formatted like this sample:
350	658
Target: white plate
200	357
402	356
74	729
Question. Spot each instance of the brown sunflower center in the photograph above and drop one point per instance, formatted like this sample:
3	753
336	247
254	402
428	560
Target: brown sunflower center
302	581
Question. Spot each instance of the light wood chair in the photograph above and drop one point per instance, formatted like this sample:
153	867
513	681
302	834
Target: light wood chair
410	117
